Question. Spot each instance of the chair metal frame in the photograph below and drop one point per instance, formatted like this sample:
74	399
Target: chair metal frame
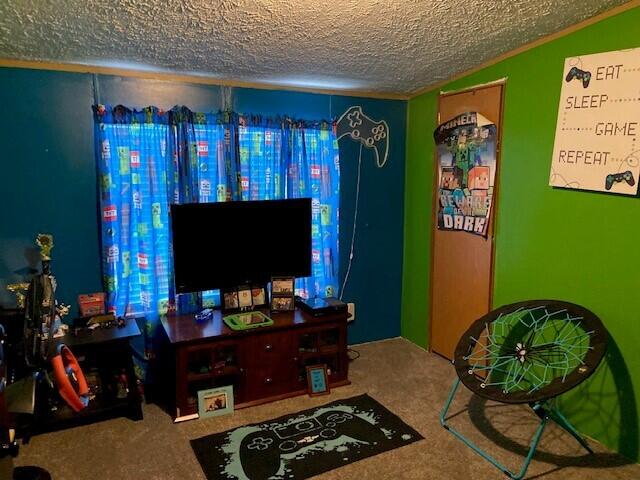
544	410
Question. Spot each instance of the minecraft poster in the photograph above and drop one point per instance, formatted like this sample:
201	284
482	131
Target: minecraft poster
466	153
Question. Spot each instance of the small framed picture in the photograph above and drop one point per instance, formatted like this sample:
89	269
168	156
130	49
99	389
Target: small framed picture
317	380
258	296
244	297
282	304
215	401
282	285
230	299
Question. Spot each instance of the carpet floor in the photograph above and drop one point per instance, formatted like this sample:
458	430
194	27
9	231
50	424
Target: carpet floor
410	382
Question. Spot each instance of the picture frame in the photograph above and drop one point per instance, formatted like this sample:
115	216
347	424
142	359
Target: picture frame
283	285
283	294
214	402
317	380
230	299
258	295
282	304
245	298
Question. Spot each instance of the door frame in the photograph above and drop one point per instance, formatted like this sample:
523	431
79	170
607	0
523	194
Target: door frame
494	206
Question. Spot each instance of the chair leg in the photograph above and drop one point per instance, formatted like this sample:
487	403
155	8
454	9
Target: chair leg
447	405
544	418
562	421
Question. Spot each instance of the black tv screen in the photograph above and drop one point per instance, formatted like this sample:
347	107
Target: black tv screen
226	244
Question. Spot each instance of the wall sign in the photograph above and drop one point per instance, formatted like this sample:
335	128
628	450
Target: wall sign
596	145
370	133
466	149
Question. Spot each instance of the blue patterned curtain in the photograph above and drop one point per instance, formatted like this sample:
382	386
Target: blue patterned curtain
148	159
286	159
132	168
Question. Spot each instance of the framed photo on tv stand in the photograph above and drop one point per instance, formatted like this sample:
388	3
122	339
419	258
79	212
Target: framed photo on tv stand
259	295
243	298
229	300
282	294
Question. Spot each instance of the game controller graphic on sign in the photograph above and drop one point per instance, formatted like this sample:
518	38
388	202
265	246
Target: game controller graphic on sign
370	133
583	75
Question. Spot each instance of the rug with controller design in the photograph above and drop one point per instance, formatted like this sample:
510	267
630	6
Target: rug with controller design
304	444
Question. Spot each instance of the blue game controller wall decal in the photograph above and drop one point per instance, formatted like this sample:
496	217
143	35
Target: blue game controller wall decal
370	133
583	75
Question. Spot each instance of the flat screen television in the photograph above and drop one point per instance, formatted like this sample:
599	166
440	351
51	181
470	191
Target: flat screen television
226	244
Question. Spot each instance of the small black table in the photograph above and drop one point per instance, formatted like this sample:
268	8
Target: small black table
104	354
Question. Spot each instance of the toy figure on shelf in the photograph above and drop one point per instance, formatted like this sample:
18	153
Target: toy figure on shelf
59	329
122	385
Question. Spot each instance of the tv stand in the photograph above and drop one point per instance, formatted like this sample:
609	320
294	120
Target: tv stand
263	364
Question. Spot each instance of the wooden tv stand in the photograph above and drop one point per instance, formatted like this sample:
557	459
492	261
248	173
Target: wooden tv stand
263	364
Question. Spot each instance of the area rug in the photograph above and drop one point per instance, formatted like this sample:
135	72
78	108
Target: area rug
304	444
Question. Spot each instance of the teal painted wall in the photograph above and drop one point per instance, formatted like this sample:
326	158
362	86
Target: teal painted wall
47	169
550	243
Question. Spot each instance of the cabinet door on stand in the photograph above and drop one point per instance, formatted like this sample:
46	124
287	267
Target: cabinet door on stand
207	366
321	346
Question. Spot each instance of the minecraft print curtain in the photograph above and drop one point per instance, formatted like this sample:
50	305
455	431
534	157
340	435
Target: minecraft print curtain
133	150
281	158
149	159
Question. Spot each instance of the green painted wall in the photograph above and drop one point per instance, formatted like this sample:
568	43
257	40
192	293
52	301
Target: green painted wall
550	243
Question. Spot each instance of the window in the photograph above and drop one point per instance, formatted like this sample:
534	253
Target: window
149	159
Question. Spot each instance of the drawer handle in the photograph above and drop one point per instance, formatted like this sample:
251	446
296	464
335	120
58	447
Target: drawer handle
268	380
268	347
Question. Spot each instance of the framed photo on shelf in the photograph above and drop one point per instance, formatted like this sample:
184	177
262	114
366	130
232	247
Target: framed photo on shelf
245	297
282	304
258	296
282	285
317	380
230	299
282	294
215	402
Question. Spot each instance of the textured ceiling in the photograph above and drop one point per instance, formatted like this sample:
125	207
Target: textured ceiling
385	46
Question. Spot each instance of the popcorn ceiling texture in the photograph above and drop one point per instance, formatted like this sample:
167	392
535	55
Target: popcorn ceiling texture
386	46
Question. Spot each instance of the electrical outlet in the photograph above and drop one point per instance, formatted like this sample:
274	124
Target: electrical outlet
351	308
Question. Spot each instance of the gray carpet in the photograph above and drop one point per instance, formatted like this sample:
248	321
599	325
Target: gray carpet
410	382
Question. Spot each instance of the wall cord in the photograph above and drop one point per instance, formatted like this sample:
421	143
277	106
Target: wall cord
355	221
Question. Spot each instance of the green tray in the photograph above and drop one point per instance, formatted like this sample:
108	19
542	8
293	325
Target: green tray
247	320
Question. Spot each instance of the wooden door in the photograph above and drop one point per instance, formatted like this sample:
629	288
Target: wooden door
462	263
